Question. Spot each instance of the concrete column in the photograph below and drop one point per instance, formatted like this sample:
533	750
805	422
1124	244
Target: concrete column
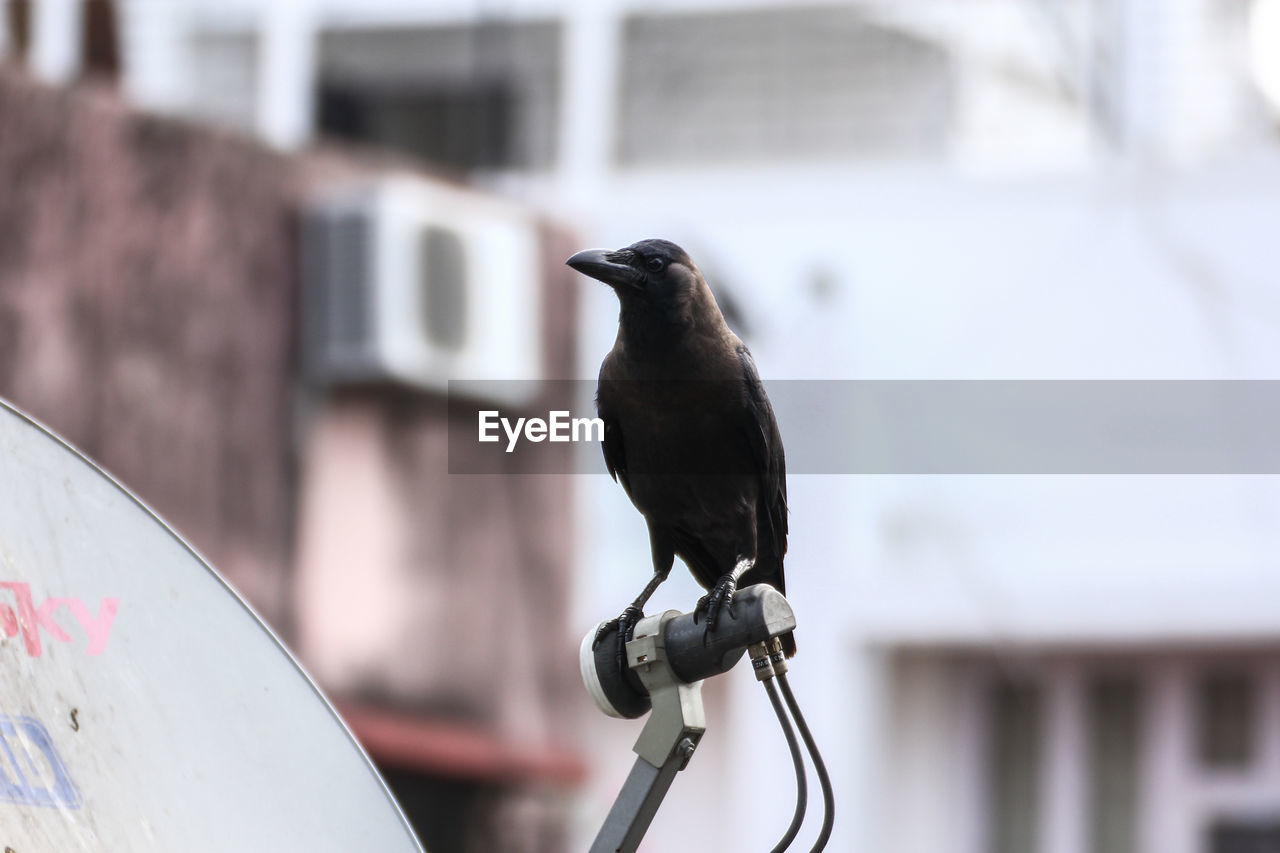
155	62
286	67
55	40
588	97
925	746
1064	771
1269	728
1166	821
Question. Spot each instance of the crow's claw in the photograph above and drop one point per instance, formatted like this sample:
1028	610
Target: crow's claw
603	631
721	596
626	626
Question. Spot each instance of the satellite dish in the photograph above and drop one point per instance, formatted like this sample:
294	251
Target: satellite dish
143	705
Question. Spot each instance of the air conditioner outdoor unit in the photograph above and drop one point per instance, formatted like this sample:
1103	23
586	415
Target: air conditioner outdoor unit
419	283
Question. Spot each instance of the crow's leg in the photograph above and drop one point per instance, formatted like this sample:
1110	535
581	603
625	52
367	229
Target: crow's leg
633	614
663	558
721	594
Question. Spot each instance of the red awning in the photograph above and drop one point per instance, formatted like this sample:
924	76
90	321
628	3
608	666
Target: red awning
448	748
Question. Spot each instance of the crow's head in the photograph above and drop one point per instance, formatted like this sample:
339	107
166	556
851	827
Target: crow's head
654	273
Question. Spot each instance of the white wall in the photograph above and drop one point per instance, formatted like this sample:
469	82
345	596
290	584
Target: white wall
1035	280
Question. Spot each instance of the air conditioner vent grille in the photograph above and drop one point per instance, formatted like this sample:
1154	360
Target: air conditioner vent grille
442	265
346	250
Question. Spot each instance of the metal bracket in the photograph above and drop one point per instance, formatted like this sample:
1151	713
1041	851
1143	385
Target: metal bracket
664	747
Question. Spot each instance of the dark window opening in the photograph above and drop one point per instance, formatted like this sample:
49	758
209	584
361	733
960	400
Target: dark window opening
1115	729
454	815
1242	837
1226	703
463	128
482	96
1016	725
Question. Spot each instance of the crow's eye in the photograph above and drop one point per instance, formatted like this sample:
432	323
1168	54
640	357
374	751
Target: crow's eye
655	264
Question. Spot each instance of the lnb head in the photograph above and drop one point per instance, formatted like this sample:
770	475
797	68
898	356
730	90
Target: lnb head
758	613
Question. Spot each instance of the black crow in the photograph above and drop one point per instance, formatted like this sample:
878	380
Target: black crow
688	430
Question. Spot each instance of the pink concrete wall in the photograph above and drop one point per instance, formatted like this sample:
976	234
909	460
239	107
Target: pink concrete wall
147	290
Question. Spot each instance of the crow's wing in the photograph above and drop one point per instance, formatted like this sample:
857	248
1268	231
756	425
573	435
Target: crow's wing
770	459
615	455
771	511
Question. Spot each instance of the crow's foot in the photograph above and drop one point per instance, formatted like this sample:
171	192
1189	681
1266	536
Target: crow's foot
626	626
721	596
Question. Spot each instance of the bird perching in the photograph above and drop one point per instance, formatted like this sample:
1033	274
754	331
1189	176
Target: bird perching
688	431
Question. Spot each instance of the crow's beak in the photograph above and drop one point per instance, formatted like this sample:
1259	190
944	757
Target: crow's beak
606	266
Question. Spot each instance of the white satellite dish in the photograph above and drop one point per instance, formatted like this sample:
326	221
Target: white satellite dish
143	705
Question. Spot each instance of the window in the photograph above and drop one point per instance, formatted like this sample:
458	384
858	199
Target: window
1226	703
1244	837
792	84
462	97
225	77
1016	723
465	126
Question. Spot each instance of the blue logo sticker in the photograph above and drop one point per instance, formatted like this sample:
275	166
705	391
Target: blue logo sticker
31	771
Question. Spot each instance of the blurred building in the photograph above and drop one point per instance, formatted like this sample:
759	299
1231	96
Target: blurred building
158	281
1084	189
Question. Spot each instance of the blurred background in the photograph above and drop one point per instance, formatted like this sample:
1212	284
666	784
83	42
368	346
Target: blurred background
244	247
